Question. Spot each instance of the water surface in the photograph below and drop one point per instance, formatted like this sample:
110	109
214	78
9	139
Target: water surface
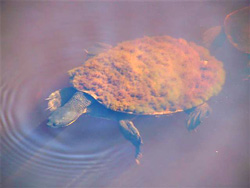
42	41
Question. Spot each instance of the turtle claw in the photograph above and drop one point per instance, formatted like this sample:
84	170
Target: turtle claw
137	160
197	116
48	108
138	156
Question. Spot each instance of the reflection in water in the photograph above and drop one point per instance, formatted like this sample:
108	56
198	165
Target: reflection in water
42	41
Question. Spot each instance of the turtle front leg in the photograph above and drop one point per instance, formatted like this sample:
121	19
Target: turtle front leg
131	133
71	111
197	115
54	100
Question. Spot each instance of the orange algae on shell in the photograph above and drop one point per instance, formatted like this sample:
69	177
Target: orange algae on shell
151	75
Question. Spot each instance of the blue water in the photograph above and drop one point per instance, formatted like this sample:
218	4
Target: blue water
42	41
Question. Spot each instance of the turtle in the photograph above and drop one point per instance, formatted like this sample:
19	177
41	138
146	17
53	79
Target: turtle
235	29
148	76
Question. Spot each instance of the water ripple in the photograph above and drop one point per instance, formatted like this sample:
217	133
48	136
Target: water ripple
29	143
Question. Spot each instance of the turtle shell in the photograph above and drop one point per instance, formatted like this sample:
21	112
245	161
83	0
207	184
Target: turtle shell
151	75
236	26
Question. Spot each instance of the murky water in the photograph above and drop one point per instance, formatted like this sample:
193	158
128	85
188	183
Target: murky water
41	41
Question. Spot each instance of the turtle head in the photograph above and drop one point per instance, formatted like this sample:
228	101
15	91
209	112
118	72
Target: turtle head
70	112
61	118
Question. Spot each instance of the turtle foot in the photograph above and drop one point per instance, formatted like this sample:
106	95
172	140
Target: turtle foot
131	133
197	115
54	101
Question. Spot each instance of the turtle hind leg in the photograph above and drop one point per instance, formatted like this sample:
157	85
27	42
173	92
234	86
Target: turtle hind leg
197	115
131	133
59	97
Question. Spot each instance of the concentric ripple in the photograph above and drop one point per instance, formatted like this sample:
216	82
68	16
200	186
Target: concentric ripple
30	146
